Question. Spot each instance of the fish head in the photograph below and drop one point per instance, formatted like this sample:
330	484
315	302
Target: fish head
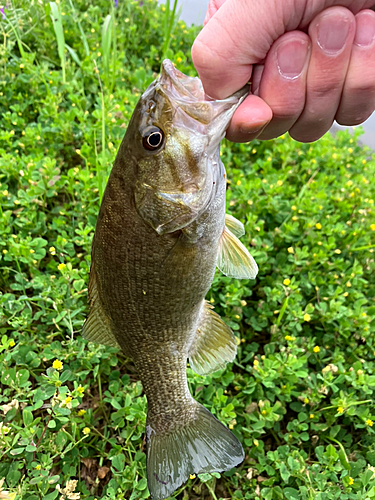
174	138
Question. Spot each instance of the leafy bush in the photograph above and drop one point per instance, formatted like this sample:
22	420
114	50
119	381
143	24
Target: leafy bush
300	393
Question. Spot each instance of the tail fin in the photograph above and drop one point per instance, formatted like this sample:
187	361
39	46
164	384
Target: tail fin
202	445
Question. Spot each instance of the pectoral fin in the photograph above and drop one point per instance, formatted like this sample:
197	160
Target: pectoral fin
234	225
97	326
214	345
234	259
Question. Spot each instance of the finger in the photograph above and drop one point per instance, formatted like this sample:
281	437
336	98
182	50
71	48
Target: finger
283	82
332	33
256	78
249	120
358	97
241	32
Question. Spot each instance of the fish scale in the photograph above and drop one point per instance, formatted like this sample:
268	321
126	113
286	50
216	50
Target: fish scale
160	234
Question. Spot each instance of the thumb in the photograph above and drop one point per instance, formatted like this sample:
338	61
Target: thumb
238	35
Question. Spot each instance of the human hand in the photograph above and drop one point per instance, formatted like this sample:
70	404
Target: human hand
309	64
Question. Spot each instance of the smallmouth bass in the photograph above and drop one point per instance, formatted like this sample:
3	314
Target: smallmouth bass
161	231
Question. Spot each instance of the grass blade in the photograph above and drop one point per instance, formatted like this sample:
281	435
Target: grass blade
73	54
106	44
83	36
169	24
59	32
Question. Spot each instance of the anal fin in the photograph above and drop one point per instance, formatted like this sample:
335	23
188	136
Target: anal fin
97	327
214	345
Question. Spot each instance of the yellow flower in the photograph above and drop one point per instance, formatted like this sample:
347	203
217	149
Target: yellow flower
231	426
38	467
348	284
80	389
372	227
52	250
279	183
12	343
286	282
307	317
351	480
340	409
253	151
81	413
243	303
86	431
238	183
318	225
61	266
67	400
294	218
294	207
369	422
312	415
346	294
291	250
338	251
57	365
288	337
5	192
316	348
256	442
192	476
255	362
179	60
306	400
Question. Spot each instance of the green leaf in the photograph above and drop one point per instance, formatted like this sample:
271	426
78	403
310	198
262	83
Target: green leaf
17	451
118	462
291	494
142	484
27	417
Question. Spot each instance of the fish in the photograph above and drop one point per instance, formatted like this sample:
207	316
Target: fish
160	234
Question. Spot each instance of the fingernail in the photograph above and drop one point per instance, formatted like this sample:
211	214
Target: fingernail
291	58
333	32
252	129
365	32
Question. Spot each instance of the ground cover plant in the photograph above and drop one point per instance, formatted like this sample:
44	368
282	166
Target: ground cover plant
72	414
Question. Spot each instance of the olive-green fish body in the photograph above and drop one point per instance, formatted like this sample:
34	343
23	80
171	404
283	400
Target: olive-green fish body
161	232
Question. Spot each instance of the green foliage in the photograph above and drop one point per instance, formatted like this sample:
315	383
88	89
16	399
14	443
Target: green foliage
300	392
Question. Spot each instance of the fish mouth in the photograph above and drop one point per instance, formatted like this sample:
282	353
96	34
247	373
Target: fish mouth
187	93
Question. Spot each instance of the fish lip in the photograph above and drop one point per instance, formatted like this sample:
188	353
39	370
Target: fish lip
185	84
185	91
186	94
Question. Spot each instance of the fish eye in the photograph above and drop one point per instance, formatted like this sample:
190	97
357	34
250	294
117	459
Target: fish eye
153	139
